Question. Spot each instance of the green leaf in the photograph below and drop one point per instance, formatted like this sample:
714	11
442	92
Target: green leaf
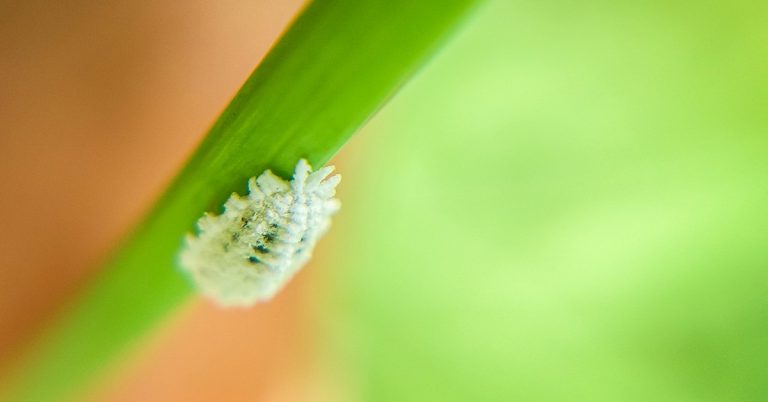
334	67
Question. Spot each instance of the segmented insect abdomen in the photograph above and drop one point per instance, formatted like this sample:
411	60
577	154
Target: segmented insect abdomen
250	251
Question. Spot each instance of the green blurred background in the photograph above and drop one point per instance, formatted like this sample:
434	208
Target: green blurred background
567	204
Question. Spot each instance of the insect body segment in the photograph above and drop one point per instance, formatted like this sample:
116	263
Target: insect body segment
250	251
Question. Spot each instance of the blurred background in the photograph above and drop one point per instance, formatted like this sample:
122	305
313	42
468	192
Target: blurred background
569	203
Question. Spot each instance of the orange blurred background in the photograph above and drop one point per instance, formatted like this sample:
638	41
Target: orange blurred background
101	102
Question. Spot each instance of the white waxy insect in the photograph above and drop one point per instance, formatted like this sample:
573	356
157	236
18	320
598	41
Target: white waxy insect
250	251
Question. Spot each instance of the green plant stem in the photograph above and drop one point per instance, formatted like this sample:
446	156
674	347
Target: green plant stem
334	67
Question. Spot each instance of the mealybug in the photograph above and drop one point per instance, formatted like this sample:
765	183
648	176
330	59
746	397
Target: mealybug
250	251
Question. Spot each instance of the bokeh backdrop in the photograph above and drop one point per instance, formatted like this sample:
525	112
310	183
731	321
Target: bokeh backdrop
569	203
